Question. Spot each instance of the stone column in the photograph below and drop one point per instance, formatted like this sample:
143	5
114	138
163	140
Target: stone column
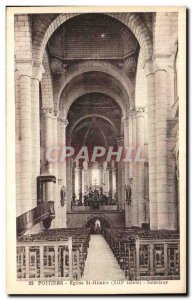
62	169
110	179
48	111
101	173
114	180
69	177
56	187
77	179
83	179
120	178
126	144
37	72
90	174
106	178
161	150
62	124
126	170
152	147
85	175
80	178
73	177
134	209
68	166
131	114
140	126
24	74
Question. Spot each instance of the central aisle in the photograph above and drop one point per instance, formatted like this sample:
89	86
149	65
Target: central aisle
101	263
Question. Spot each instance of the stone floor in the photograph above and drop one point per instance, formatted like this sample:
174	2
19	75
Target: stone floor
101	263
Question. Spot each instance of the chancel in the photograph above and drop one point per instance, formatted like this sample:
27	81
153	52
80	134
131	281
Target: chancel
99	81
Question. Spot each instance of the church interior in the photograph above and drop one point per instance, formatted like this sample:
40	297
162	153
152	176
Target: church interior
97	80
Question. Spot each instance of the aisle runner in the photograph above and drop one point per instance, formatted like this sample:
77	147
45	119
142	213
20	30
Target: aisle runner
101	263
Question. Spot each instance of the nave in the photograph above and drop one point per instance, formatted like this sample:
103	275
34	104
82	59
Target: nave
89	87
101	263
116	254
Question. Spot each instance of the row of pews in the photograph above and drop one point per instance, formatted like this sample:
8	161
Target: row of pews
145	254
56	254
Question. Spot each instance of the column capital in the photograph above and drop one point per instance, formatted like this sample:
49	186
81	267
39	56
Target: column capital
37	71
64	121
132	113
149	68
161	62
125	121
56	113
24	67
140	111
47	111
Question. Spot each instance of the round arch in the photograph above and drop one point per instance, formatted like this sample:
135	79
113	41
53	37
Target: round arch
131	20
88	116
95	66
91	89
100	217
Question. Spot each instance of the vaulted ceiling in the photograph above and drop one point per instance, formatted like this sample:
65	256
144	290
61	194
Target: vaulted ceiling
92	36
99	120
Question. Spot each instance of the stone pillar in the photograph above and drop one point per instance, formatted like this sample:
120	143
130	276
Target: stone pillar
85	176
37	72
114	180
152	148
126	170
110	179
62	169
120	178
73	177
77	179
80	179
62	124
83	180
126	144
90	174
162	149
131	114
106	178
134	209
24	73
56	186
101	174
69	166
140	164
48	111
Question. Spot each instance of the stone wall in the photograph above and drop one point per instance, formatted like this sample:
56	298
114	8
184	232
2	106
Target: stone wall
78	220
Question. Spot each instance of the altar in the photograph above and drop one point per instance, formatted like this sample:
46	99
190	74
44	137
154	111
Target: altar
95	203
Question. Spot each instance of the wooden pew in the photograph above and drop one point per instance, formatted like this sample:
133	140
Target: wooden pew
145	254
58	253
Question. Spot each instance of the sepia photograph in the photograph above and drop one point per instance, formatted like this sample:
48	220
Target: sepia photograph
97	171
